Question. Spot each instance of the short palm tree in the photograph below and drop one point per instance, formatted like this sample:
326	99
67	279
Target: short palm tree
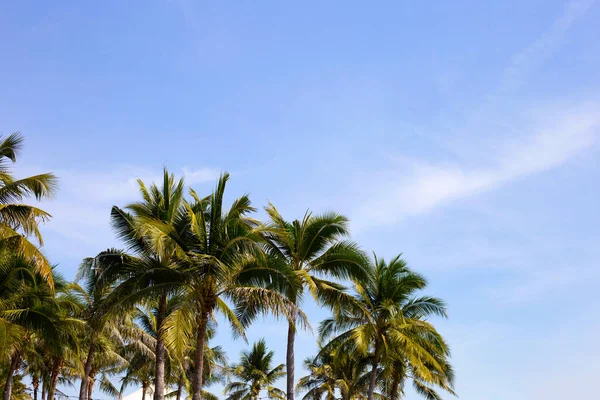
425	379
139	371
18	221
30	312
19	389
313	249
107	322
254	373
338	371
387	319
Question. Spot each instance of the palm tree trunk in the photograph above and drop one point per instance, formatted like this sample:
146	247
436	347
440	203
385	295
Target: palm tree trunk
15	364
35	382
144	388
54	373
90	389
44	389
289	359
159	376
83	392
199	356
373	380
179	388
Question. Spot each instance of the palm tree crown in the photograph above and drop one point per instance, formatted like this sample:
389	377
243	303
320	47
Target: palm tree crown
387	320
19	221
254	373
312	249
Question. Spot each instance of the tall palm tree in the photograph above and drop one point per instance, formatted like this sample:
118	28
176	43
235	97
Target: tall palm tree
19	221
159	206
218	259
215	367
313	249
254	374
387	318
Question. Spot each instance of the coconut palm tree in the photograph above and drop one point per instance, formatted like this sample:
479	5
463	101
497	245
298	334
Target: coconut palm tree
30	312
19	389
159	206
338	371
121	343
108	322
61	354
254	373
49	360
215	368
387	318
218	259
139	371
398	369
19	221
313	249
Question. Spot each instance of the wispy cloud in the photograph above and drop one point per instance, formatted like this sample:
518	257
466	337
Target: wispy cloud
81	212
538	142
528	60
557	139
194	176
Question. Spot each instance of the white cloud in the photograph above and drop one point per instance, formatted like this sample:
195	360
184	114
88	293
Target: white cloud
81	212
557	138
528	60
200	175
541	142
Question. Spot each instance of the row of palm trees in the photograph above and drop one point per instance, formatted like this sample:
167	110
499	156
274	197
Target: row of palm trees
145	313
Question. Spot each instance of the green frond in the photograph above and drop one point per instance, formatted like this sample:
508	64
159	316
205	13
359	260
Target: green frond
11	146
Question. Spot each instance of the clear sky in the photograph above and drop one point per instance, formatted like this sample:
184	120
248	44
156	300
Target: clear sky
463	134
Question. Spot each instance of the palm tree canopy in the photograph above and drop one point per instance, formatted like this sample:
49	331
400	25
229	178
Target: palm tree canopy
388	322
314	248
255	373
19	221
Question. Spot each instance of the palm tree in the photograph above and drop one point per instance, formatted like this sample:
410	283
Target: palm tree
313	249
108	322
218	259
30	312
61	353
387	319
116	348
160	206
19	390
254	373
338	371
398	369
19	221
215	367
139	371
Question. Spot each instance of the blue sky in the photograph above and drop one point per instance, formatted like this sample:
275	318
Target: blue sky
463	134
